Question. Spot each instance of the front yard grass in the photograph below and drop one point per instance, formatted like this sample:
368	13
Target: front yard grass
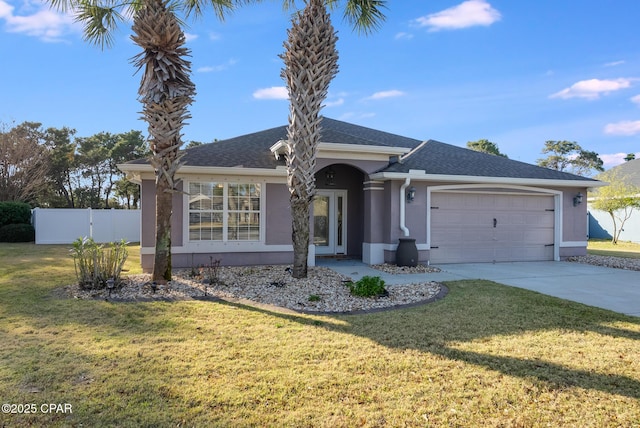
487	355
604	247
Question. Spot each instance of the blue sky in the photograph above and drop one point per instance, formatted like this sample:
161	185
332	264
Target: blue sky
515	72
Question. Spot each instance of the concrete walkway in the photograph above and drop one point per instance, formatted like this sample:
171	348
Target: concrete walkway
614	289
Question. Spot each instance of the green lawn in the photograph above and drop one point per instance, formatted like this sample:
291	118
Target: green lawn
487	355
604	247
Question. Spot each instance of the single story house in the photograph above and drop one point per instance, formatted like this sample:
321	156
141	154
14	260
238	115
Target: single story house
601	223
373	188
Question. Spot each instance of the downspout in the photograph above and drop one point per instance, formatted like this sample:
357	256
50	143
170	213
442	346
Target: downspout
403	227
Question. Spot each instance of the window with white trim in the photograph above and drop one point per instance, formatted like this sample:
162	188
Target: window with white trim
220	211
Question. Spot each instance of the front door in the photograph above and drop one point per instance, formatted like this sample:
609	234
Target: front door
330	222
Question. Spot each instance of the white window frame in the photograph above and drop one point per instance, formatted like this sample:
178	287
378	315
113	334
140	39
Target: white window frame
226	181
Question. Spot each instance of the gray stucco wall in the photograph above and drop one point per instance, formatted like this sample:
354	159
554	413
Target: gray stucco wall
148	206
574	224
278	215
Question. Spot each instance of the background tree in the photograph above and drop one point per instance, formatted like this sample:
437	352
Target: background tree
23	162
94	161
127	191
310	64
65	171
570	157
485	146
61	149
630	157
619	199
128	146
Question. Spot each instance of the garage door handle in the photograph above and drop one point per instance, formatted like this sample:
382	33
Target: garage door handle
495	222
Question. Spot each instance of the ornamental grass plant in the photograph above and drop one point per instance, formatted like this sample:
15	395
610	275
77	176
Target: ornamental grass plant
95	263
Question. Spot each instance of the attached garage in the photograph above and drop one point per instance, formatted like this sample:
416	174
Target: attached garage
491	227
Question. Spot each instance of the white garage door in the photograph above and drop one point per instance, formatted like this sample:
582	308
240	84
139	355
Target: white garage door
483	227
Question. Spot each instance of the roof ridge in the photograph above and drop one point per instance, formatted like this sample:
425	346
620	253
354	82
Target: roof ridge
414	150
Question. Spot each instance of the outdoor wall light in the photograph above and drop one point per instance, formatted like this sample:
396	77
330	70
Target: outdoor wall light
411	194
330	176
577	199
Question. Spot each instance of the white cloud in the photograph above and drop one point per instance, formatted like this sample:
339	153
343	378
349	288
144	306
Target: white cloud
214	36
614	63
635	99
190	37
5	9
335	103
216	68
272	93
386	94
469	13
403	36
43	23
625	127
592	89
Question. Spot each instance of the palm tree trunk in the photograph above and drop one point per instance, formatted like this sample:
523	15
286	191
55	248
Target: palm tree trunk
166	91
311	63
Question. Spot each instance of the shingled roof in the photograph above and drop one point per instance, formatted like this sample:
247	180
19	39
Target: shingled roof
438	158
433	157
253	150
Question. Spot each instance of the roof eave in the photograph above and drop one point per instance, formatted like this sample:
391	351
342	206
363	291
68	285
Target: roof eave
347	151
138	170
421	175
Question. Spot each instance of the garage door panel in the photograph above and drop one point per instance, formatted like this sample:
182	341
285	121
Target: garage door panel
462	227
454	255
540	236
462	217
460	234
524	254
514	238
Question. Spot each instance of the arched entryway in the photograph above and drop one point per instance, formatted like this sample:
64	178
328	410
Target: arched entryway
338	227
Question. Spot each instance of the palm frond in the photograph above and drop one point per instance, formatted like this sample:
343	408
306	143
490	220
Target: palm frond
99	22
365	15
197	7
64	5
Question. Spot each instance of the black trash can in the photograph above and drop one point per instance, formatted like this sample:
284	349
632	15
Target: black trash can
407	252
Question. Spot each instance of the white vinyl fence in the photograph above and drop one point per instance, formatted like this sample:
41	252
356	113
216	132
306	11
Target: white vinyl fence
65	225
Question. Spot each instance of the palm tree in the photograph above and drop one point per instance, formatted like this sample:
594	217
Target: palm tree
311	63
166	89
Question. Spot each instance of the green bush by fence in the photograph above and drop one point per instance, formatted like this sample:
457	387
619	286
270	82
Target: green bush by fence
14	213
17	233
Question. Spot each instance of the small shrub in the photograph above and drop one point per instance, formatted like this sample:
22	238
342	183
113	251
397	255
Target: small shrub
95	263
17	233
368	286
14	213
314	298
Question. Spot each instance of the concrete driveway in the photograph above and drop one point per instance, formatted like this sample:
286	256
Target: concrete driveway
614	289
